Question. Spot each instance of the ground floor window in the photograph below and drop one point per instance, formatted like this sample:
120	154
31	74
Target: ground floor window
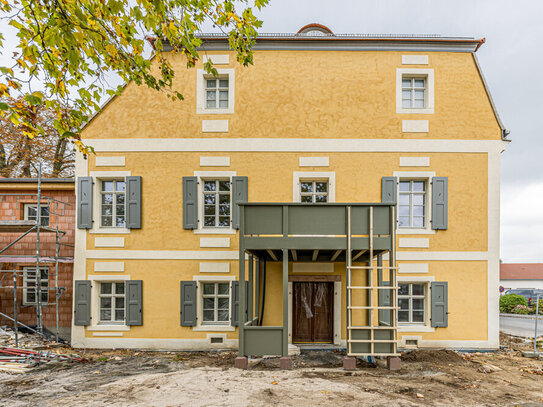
412	303
216	303
30	283
111	302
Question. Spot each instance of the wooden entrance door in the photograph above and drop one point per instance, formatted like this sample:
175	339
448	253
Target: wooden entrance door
313	312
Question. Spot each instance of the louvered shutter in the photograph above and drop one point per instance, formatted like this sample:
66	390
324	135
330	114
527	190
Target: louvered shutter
389	190
190	203
239	194
188	303
133	202
84	203
439	301
82	302
134	302
439	203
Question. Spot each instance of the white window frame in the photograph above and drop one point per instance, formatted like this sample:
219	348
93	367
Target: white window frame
313	194
201	76
216	296
26	215
114	192
97	178
217	203
96	279
411	205
419	327
212	175
416	176
113	296
424	297
227	326
44	285
299	176
428	74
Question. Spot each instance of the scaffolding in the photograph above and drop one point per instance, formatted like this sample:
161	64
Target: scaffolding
56	209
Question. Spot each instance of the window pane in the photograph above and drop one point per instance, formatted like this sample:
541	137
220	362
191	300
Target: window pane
209	221
211	104
209	303
404	221
419	83
321	198
107	186
403	303
210	95
404	289
107	199
223	303
419	95
419	104
224	221
406	104
105	302
120	186
31	296
418	210
224	199
105	315
119	302
321	187
224	288
417	289
419	186
418	199
209	316
119	315
209	199
418	304
406	95
32	212
119	221
44	275
224	210
209	185
209	210
209	288
418	222
223	95
403	316
418	316
120	209
105	288
406	83
404	186
306	198
211	83
306	187
224	185
223	103
107	210
223	315
120	199
223	83
119	288
404	210
404	199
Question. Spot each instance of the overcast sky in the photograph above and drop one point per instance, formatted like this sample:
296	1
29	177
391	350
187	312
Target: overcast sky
512	61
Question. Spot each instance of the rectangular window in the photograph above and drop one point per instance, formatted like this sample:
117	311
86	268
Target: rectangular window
216	303
412	303
31	213
112	203
111	297
30	283
313	191
216	203
216	93
412	204
413	93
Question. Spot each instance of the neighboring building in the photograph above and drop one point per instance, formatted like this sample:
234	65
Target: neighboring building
319	125
18	204
521	275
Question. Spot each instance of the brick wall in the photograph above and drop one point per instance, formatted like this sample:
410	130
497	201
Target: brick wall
12	208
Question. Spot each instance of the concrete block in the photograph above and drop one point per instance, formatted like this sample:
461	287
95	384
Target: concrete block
349	363
285	363
394	363
241	362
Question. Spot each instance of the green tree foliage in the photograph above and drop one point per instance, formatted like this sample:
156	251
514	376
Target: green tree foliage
71	47
510	301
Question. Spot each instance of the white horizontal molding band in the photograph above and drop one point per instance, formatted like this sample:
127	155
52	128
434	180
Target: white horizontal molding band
440	256
295	145
217	59
98	277
414	161
413	268
110	161
109	241
214	242
314	161
107	334
163	254
154	343
112	266
209	267
415	126
414	329
215	126
214	161
111	328
414	59
414	242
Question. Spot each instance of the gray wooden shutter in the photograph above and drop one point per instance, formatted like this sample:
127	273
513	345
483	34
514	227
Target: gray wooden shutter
188	303
439	302
239	194
82	302
389	190
439	202
235	302
190	203
133	291
133	202
84	203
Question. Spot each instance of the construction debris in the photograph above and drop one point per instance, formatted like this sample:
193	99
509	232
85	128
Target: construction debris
14	360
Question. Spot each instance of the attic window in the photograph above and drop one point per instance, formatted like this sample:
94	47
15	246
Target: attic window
315	30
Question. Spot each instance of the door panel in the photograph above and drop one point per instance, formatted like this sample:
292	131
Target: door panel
312	312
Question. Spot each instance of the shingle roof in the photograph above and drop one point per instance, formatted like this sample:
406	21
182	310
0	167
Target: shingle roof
521	271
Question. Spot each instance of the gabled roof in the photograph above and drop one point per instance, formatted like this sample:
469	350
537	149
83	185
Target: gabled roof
521	271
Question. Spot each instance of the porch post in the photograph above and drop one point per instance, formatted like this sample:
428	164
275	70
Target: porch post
241	317
285	303
250	295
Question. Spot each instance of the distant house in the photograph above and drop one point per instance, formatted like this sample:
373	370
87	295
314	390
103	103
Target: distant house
521	275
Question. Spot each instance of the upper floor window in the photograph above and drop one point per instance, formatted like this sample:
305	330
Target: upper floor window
313	191
217	93
413	92
216	303
412	303
30	284
412	204
112	203
216	201
31	213
111	302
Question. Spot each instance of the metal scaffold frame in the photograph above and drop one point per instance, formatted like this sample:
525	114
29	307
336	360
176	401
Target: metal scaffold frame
25	228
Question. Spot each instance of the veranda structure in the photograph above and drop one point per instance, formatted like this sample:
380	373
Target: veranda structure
359	234
12	223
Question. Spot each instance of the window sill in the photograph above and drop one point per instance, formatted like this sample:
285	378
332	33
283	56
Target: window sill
110	231
215	111
415	111
408	231
108	328
415	328
225	231
214	328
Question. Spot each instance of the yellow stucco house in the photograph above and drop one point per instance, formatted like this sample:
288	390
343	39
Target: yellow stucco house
357	177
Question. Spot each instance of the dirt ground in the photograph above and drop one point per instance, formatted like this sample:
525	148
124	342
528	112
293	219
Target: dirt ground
427	378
